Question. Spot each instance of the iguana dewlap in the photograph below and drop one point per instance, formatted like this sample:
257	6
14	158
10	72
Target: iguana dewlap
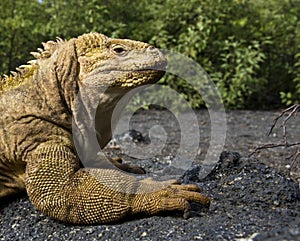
37	152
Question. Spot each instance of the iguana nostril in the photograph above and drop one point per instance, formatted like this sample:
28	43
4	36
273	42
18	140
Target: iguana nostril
151	48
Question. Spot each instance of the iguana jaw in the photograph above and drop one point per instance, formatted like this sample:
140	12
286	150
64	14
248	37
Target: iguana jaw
138	78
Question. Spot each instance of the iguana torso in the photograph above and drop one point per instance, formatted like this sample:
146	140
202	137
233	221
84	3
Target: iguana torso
37	151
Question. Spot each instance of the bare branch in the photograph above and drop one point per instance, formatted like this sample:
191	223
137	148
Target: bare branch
287	114
273	145
294	108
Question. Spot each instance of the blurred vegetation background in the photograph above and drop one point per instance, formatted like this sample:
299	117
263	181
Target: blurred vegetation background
249	48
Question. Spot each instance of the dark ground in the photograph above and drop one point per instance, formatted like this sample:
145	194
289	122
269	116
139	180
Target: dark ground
251	199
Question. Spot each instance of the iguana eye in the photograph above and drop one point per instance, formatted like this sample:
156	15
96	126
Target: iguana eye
118	49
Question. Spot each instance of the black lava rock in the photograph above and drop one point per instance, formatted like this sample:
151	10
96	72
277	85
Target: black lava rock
250	201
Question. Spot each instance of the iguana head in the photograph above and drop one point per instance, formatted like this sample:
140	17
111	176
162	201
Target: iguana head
117	63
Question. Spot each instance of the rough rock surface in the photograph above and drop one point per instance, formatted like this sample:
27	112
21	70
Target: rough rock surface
250	201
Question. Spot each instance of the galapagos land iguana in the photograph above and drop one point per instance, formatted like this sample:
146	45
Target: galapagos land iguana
37	152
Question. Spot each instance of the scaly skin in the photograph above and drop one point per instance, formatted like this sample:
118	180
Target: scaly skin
37	152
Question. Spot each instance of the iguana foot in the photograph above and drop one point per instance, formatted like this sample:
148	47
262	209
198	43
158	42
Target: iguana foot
117	161
175	197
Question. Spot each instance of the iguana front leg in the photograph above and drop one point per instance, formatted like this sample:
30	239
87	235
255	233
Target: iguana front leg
58	187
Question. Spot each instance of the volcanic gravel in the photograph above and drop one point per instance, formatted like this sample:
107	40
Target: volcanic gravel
253	198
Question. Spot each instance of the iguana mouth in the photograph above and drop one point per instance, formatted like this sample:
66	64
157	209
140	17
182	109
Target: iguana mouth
160	67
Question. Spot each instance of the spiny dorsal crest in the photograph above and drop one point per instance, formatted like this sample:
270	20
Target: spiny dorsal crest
17	77
84	44
25	71
49	48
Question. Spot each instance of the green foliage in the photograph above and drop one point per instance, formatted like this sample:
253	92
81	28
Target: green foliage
19	31
237	78
250	48
71	18
293	96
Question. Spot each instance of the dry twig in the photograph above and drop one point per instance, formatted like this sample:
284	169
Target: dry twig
287	114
